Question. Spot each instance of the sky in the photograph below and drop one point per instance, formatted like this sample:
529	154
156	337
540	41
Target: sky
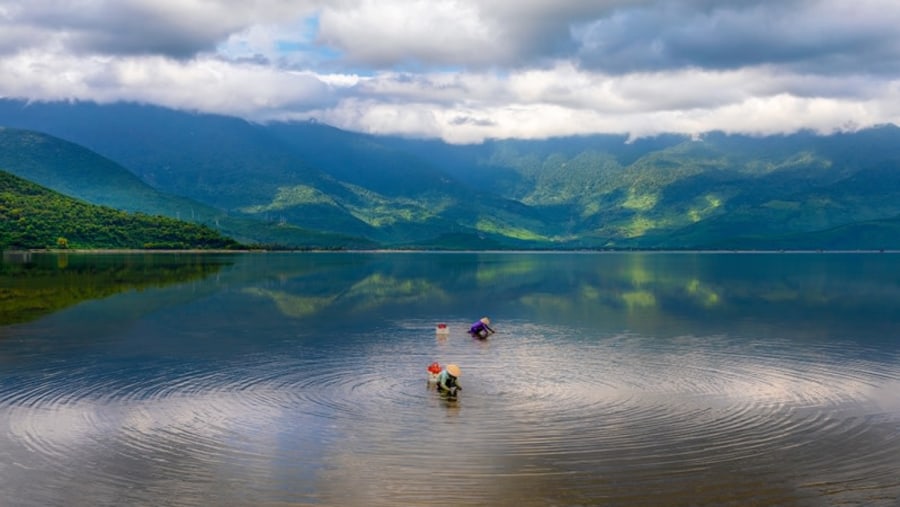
469	70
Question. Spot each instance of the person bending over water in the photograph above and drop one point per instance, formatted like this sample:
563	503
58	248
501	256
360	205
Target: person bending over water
448	380
481	328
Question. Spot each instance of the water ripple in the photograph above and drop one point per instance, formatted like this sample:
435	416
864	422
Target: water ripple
608	417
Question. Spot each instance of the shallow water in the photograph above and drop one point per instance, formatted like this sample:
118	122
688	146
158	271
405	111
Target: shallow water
299	379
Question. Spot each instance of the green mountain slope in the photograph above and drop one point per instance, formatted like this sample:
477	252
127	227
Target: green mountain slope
269	173
32	216
225	163
75	171
682	193
579	192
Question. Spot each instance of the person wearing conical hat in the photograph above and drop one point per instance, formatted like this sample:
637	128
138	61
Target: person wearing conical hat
448	380
481	328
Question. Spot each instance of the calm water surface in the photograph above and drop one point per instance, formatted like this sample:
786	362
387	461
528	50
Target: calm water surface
642	379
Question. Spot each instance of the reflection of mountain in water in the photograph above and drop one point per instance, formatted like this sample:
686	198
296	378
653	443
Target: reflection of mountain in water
657	293
641	379
35	285
662	294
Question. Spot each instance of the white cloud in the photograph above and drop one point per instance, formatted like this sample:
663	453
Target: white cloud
465	70
202	84
415	31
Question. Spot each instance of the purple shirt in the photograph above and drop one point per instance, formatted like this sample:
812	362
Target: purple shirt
478	327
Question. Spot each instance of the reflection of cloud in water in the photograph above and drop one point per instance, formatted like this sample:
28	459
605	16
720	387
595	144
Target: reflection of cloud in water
548	415
231	437
712	394
885	396
553	410
763	373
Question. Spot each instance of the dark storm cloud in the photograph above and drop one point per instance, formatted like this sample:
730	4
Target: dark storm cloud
123	28
808	36
175	29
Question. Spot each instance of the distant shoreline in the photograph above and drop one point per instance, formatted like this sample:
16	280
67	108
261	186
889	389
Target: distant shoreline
126	250
107	251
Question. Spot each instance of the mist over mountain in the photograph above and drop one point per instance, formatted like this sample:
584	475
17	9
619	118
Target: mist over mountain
300	183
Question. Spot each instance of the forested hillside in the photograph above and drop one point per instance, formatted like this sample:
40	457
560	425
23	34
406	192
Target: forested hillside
311	185
34	217
73	170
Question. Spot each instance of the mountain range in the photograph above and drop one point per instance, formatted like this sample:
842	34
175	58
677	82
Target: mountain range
306	184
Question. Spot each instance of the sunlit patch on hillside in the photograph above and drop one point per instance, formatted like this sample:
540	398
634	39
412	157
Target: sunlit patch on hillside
590	209
402	211
385	215
493	227
706	206
804	159
379	211
638	227
289	197
640	202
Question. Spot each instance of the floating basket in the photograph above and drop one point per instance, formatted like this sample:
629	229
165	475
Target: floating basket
434	369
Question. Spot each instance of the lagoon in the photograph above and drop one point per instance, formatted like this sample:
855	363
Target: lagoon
663	379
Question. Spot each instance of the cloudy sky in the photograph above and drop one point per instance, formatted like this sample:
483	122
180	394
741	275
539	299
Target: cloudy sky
466	70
